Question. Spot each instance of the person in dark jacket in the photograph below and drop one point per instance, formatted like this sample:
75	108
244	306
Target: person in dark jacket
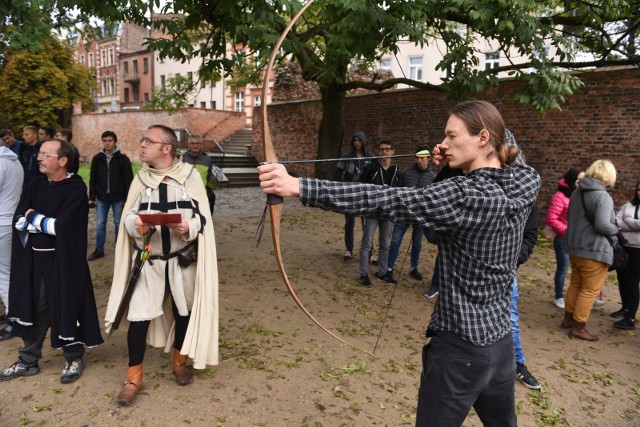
66	135
349	170
109	183
419	175
29	153
385	173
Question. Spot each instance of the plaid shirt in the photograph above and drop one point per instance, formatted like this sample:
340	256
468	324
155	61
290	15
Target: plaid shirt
479	219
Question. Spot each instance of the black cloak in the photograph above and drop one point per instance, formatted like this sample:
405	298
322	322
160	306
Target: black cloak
73	314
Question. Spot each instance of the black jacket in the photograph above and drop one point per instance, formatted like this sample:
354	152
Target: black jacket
110	181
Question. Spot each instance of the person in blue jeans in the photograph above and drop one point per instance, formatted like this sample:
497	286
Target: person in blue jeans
110	179
529	239
419	175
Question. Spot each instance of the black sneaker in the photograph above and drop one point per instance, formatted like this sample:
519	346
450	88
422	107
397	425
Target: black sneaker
366	282
347	256
7	333
387	278
529	381
19	369
95	255
415	274
619	314
3	318
373	260
626	324
71	371
431	292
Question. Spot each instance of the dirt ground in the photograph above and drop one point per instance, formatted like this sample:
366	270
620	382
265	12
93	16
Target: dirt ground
278	369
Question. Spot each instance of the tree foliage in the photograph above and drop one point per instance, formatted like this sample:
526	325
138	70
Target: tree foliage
41	87
173	96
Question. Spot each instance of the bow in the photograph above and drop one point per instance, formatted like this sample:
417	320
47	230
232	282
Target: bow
275	202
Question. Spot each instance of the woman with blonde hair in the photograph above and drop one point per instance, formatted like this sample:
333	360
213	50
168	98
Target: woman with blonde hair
591	222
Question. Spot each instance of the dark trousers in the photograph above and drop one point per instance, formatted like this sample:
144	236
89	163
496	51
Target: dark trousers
629	281
137	336
457	375
349	227
31	352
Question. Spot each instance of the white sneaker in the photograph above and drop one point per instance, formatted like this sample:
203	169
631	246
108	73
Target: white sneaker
560	303
599	302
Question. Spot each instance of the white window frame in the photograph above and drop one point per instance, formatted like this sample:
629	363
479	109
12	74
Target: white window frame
238	102
257	100
491	60
384	64
415	68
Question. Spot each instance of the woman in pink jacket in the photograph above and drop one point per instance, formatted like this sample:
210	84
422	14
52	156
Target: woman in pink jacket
557	219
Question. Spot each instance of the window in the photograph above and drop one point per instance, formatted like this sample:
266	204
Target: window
145	65
146	97
190	77
82	59
126	94
112	86
213	105
415	68
135	66
202	83
136	93
104	58
125	67
257	100
162	82
91	64
203	104
238	104
104	88
385	64
491	60
111	57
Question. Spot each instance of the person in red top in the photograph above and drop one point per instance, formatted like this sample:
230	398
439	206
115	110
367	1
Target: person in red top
557	219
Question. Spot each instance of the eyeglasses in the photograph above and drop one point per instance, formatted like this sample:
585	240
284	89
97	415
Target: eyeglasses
386	149
146	141
47	155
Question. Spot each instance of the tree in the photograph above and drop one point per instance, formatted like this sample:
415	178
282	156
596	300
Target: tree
173	95
335	34
39	79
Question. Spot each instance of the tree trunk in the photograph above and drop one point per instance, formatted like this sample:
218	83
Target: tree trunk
331	130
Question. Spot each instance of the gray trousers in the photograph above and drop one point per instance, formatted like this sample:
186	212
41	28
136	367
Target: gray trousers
31	352
5	264
384	239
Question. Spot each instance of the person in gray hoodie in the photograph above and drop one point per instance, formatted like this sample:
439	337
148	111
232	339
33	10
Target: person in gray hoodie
588	246
349	170
11	177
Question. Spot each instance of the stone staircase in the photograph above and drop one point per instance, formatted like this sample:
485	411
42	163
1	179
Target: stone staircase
239	165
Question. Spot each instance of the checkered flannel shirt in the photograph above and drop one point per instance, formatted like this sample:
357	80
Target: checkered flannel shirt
479	219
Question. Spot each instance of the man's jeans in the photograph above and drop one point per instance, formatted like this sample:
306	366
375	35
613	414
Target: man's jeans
562	264
102	210
384	238
515	326
396	239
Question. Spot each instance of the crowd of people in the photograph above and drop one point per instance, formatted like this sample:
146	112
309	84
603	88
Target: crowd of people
479	209
166	238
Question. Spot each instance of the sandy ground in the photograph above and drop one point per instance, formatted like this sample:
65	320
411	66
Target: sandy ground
278	369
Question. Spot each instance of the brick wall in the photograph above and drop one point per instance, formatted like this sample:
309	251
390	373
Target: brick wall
601	121
130	125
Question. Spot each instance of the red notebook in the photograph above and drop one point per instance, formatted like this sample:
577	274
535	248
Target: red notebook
161	218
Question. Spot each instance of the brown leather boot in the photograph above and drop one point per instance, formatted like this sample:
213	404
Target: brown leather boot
578	330
130	388
567	322
182	372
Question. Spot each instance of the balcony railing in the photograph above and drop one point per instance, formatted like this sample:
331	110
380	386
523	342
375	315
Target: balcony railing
131	78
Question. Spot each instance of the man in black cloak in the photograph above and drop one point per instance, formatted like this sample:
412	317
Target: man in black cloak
50	283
